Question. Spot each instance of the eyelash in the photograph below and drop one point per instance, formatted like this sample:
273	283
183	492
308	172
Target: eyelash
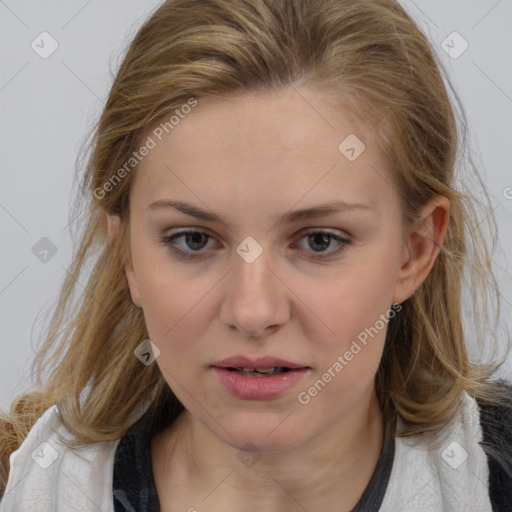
168	239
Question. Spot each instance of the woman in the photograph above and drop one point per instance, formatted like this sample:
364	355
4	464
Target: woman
273	320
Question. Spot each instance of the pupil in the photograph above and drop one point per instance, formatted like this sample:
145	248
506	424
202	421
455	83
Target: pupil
195	238
318	238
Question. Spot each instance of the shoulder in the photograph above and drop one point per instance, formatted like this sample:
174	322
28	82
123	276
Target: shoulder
446	472
46	475
496	422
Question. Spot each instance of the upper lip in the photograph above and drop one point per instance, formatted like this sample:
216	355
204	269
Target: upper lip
260	362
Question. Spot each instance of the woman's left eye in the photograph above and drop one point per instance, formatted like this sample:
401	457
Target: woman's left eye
195	241
320	238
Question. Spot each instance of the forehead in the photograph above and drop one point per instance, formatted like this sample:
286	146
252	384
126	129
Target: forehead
270	150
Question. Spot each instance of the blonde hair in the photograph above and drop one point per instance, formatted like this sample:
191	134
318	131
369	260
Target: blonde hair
378	65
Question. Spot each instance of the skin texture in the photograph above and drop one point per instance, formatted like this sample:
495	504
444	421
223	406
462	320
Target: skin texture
251	158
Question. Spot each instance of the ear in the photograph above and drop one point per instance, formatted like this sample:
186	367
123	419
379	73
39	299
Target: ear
422	247
113	223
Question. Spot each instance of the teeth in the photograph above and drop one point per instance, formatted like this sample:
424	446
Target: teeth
261	370
265	371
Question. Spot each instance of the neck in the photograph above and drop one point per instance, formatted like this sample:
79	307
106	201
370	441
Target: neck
331	469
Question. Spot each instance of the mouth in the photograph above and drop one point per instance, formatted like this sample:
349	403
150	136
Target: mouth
263	378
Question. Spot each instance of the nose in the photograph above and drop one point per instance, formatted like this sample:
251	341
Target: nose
256	301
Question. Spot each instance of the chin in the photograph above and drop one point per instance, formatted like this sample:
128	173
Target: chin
261	432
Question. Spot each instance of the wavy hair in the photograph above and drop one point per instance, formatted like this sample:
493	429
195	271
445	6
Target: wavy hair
371	57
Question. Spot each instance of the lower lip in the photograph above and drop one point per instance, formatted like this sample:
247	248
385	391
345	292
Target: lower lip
258	388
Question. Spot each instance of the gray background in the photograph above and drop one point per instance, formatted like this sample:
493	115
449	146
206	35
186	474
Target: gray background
48	106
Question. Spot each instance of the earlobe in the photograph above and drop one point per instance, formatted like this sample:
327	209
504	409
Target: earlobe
423	246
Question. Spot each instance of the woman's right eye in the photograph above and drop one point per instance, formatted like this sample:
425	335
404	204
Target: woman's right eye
194	239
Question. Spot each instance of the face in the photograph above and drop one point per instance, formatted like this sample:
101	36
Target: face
255	279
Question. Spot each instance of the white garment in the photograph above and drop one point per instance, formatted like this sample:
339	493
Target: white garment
46	476
450	478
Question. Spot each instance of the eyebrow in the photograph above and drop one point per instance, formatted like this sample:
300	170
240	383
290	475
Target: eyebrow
313	212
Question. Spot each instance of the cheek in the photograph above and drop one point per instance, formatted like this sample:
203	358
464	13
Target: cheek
352	299
170	302
177	312
351	315
348	357
169	291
